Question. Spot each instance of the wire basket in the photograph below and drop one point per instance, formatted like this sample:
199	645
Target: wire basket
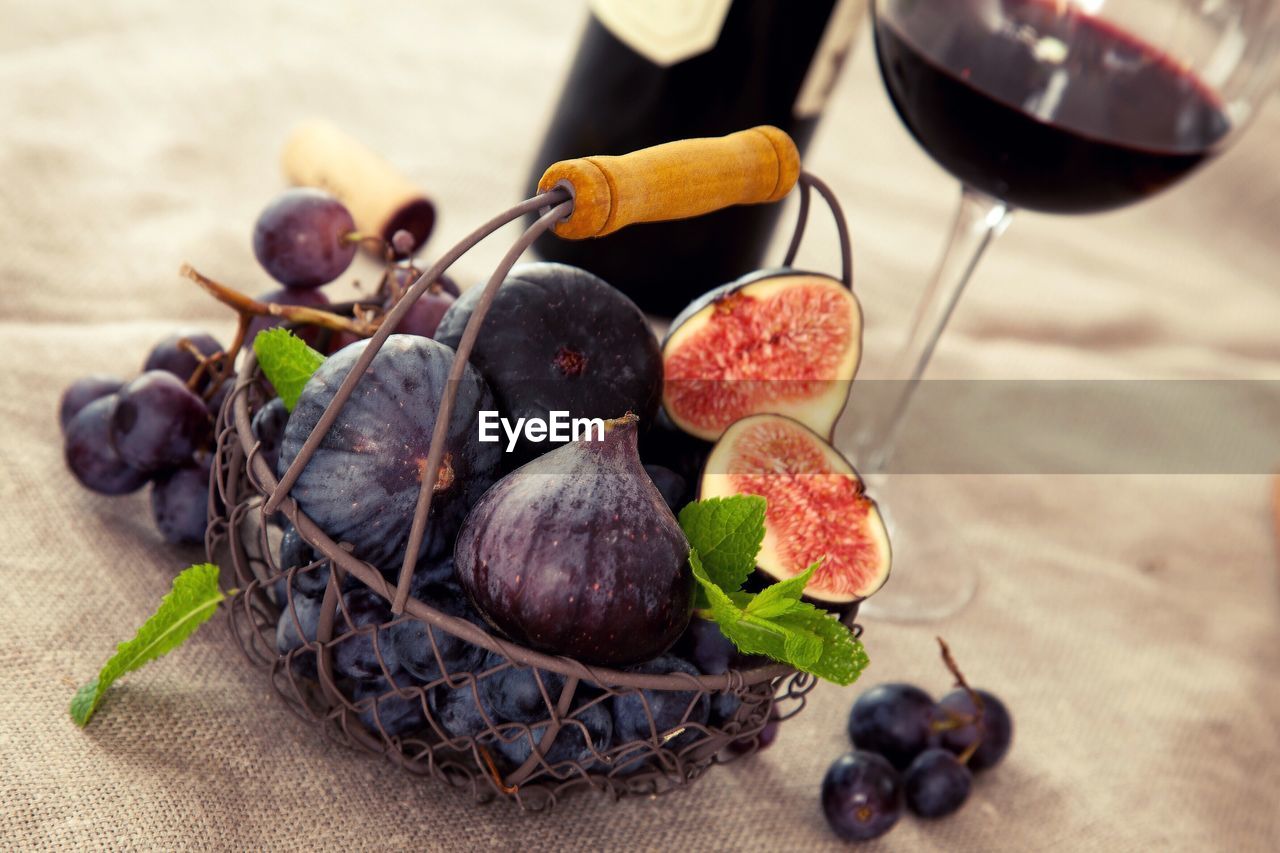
400	718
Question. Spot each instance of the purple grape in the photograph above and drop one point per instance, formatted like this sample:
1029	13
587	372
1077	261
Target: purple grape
299	238
670	709
412	638
764	739
171	356
82	392
424	315
158	423
936	784
90	456
214	403
363	653
861	796
584	729
287	296
403	243
311	575
298	624
180	504
333	340
513	694
706	647
996	728
268	428
450	286
893	720
673	488
459	714
395	713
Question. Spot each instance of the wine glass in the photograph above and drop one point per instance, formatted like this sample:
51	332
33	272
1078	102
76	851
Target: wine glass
1058	106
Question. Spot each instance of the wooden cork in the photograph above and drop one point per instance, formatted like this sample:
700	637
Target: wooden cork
381	199
676	180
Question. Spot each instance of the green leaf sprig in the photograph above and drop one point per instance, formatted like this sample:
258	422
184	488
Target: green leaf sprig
725	535
195	597
287	362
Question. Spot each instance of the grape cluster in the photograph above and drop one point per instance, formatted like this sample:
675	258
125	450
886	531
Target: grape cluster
158	428
402	673
911	752
306	238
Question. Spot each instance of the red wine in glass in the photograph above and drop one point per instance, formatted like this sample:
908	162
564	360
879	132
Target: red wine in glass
1059	106
1062	113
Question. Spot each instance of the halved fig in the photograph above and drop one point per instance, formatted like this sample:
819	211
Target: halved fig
783	342
817	507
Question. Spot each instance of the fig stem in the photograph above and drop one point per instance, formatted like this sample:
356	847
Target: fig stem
956	720
628	418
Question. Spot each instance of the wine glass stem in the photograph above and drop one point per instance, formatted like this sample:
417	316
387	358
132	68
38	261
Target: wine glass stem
979	220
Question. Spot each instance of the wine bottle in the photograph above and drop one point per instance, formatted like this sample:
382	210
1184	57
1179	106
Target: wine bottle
651	71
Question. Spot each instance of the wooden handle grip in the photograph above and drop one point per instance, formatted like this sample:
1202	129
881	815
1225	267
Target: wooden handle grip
676	180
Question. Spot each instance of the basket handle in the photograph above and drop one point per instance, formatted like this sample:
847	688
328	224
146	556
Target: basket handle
675	180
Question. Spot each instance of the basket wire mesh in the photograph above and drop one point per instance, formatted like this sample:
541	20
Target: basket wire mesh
398	717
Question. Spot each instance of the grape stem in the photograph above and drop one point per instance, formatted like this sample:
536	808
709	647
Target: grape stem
293	313
221	366
203	362
372	241
955	721
493	771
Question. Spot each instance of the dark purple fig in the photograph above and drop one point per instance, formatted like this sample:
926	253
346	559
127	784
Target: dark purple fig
557	338
576	553
362	484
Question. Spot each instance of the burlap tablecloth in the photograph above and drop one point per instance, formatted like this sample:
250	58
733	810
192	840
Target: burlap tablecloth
1132	623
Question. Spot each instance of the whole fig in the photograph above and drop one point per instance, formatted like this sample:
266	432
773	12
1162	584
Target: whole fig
577	554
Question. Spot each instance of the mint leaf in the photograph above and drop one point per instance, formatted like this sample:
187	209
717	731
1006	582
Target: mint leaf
803	647
842	658
287	362
723	608
800	635
779	598
194	598
726	533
